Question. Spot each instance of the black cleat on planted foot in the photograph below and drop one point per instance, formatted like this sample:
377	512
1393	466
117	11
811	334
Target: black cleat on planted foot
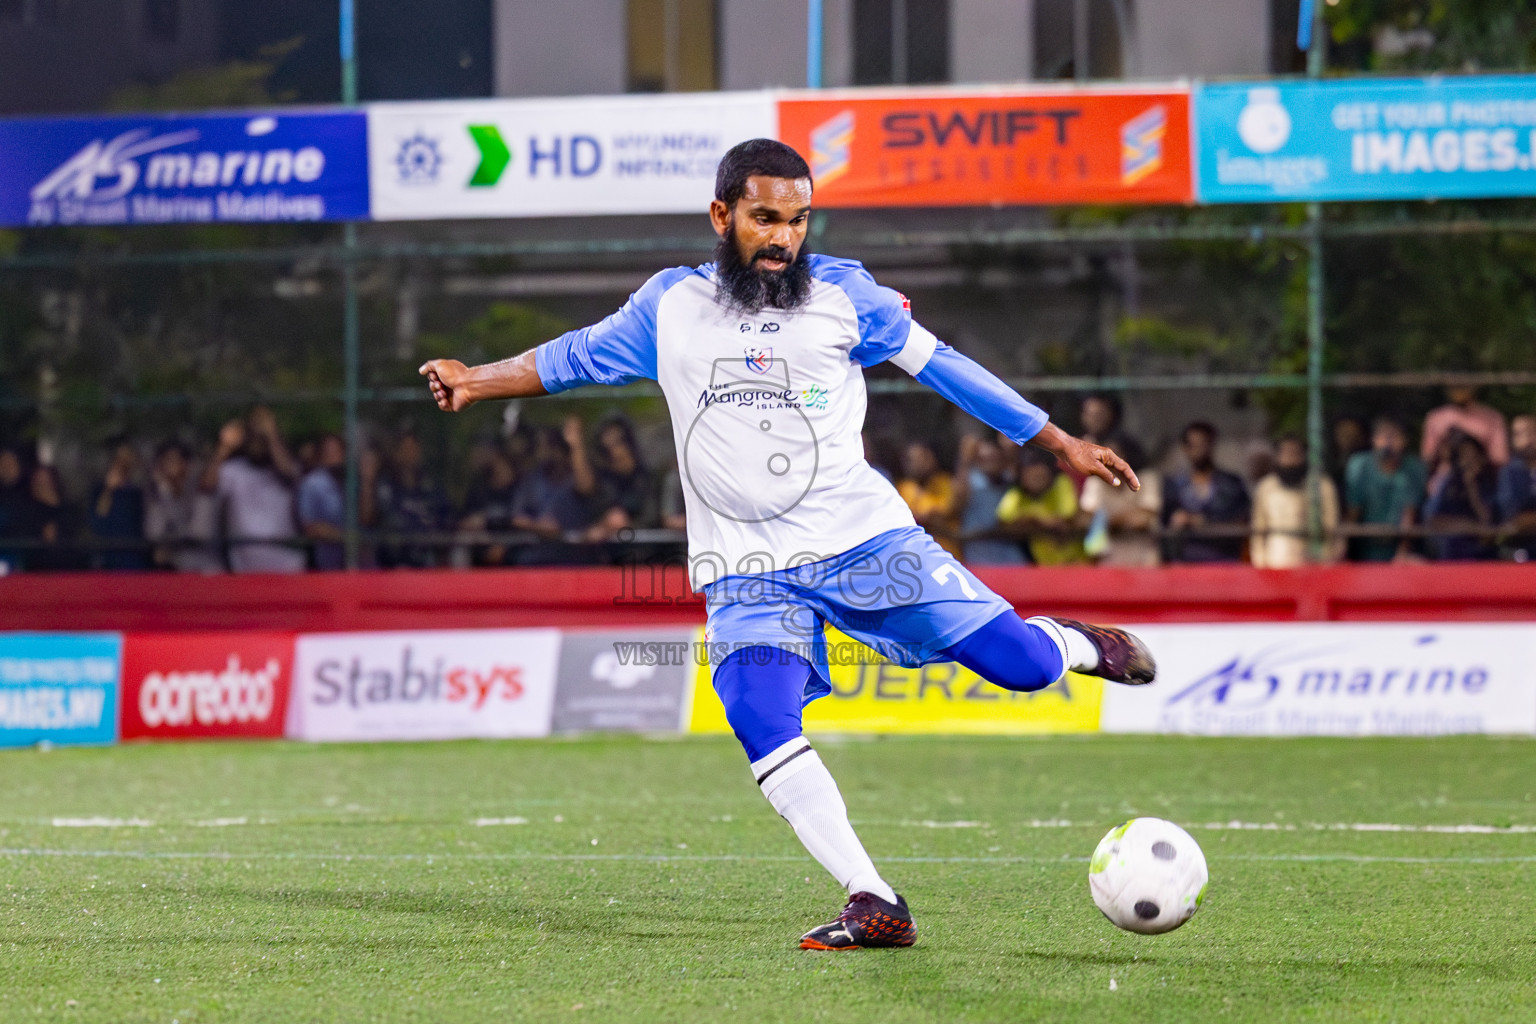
1122	657
867	922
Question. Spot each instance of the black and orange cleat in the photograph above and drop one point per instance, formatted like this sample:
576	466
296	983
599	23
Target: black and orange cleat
1122	657
867	922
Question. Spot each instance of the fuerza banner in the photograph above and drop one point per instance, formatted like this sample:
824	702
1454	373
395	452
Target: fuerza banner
250	166
1419	138
59	688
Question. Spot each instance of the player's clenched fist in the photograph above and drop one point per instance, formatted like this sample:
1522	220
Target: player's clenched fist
446	379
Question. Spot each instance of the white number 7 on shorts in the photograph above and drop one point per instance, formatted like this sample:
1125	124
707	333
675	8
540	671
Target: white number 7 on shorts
948	572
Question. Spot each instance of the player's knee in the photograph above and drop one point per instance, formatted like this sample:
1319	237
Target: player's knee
762	697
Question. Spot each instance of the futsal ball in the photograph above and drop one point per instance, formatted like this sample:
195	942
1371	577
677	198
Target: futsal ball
1148	875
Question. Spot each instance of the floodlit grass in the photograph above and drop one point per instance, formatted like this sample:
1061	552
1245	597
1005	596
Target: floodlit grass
647	880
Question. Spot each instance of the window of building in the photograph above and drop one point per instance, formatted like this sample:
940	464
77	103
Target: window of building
672	45
162	20
1084	39
900	41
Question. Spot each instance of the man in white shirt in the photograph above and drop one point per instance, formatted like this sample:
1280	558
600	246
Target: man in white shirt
760	355
252	473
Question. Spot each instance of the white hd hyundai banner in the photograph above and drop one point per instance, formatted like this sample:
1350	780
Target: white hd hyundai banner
446	684
556	157
1332	679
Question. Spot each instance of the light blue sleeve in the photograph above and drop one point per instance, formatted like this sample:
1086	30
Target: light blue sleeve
885	316
616	350
975	389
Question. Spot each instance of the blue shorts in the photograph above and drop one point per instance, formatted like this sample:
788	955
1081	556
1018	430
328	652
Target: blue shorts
898	592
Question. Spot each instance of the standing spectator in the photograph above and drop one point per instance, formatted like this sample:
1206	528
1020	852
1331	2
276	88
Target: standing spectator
1384	486
1129	517
494	499
1280	512
252	474
624	486
53	523
409	501
1101	418
1465	413
15	510
179	519
1351	436
1462	503
1202	496
555	500
982	478
1517	488
929	493
1041	509
323	503
117	512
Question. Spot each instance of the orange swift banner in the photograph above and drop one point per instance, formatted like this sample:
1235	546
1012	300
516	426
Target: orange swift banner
942	148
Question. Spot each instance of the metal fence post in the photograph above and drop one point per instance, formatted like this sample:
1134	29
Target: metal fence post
1316	441
349	315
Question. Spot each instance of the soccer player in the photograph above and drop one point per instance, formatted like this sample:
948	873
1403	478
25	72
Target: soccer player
760	355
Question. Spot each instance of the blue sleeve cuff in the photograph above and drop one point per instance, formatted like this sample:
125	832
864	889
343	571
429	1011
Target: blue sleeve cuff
975	389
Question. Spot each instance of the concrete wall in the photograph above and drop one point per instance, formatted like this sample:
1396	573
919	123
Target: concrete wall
762	45
1183	38
569	48
991	40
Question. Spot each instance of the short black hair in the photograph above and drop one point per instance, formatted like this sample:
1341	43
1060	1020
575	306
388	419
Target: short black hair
756	156
1199	427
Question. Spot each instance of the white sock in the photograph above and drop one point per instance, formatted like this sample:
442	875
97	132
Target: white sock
1077	652
801	789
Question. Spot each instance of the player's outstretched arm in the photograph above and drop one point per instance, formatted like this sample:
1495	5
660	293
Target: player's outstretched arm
456	387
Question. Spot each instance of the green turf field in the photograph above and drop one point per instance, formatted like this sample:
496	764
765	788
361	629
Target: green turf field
647	880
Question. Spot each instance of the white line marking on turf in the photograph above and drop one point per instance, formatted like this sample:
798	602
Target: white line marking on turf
1033	823
662	858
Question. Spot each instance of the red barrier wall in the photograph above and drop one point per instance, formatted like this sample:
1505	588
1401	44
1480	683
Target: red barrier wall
608	597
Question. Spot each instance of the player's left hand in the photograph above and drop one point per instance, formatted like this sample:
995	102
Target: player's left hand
1085	458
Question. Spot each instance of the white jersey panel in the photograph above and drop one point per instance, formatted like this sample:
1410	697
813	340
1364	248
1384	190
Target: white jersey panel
767	415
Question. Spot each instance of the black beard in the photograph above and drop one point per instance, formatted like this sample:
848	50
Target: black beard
1292	476
742	288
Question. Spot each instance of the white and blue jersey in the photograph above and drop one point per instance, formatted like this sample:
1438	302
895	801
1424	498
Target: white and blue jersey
768	409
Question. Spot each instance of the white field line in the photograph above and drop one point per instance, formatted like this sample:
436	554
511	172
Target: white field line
1035	823
645	858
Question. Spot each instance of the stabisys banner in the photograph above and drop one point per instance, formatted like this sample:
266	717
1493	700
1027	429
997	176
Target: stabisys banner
427	685
556	157
1332	679
185	168
59	688
944	147
190	685
1411	138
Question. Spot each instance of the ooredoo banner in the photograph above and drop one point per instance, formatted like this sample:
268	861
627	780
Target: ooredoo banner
568	156
187	685
1332	679
429	685
1414	138
870	694
250	166
58	688
952	148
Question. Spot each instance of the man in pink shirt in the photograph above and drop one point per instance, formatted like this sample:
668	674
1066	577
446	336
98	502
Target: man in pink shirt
1465	413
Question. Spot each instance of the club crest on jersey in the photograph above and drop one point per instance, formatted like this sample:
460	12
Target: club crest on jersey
759	360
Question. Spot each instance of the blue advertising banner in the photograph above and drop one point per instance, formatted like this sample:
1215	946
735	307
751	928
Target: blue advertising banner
1422	138
59	687
251	166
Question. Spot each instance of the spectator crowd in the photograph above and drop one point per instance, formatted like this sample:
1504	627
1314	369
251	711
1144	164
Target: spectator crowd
569	495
